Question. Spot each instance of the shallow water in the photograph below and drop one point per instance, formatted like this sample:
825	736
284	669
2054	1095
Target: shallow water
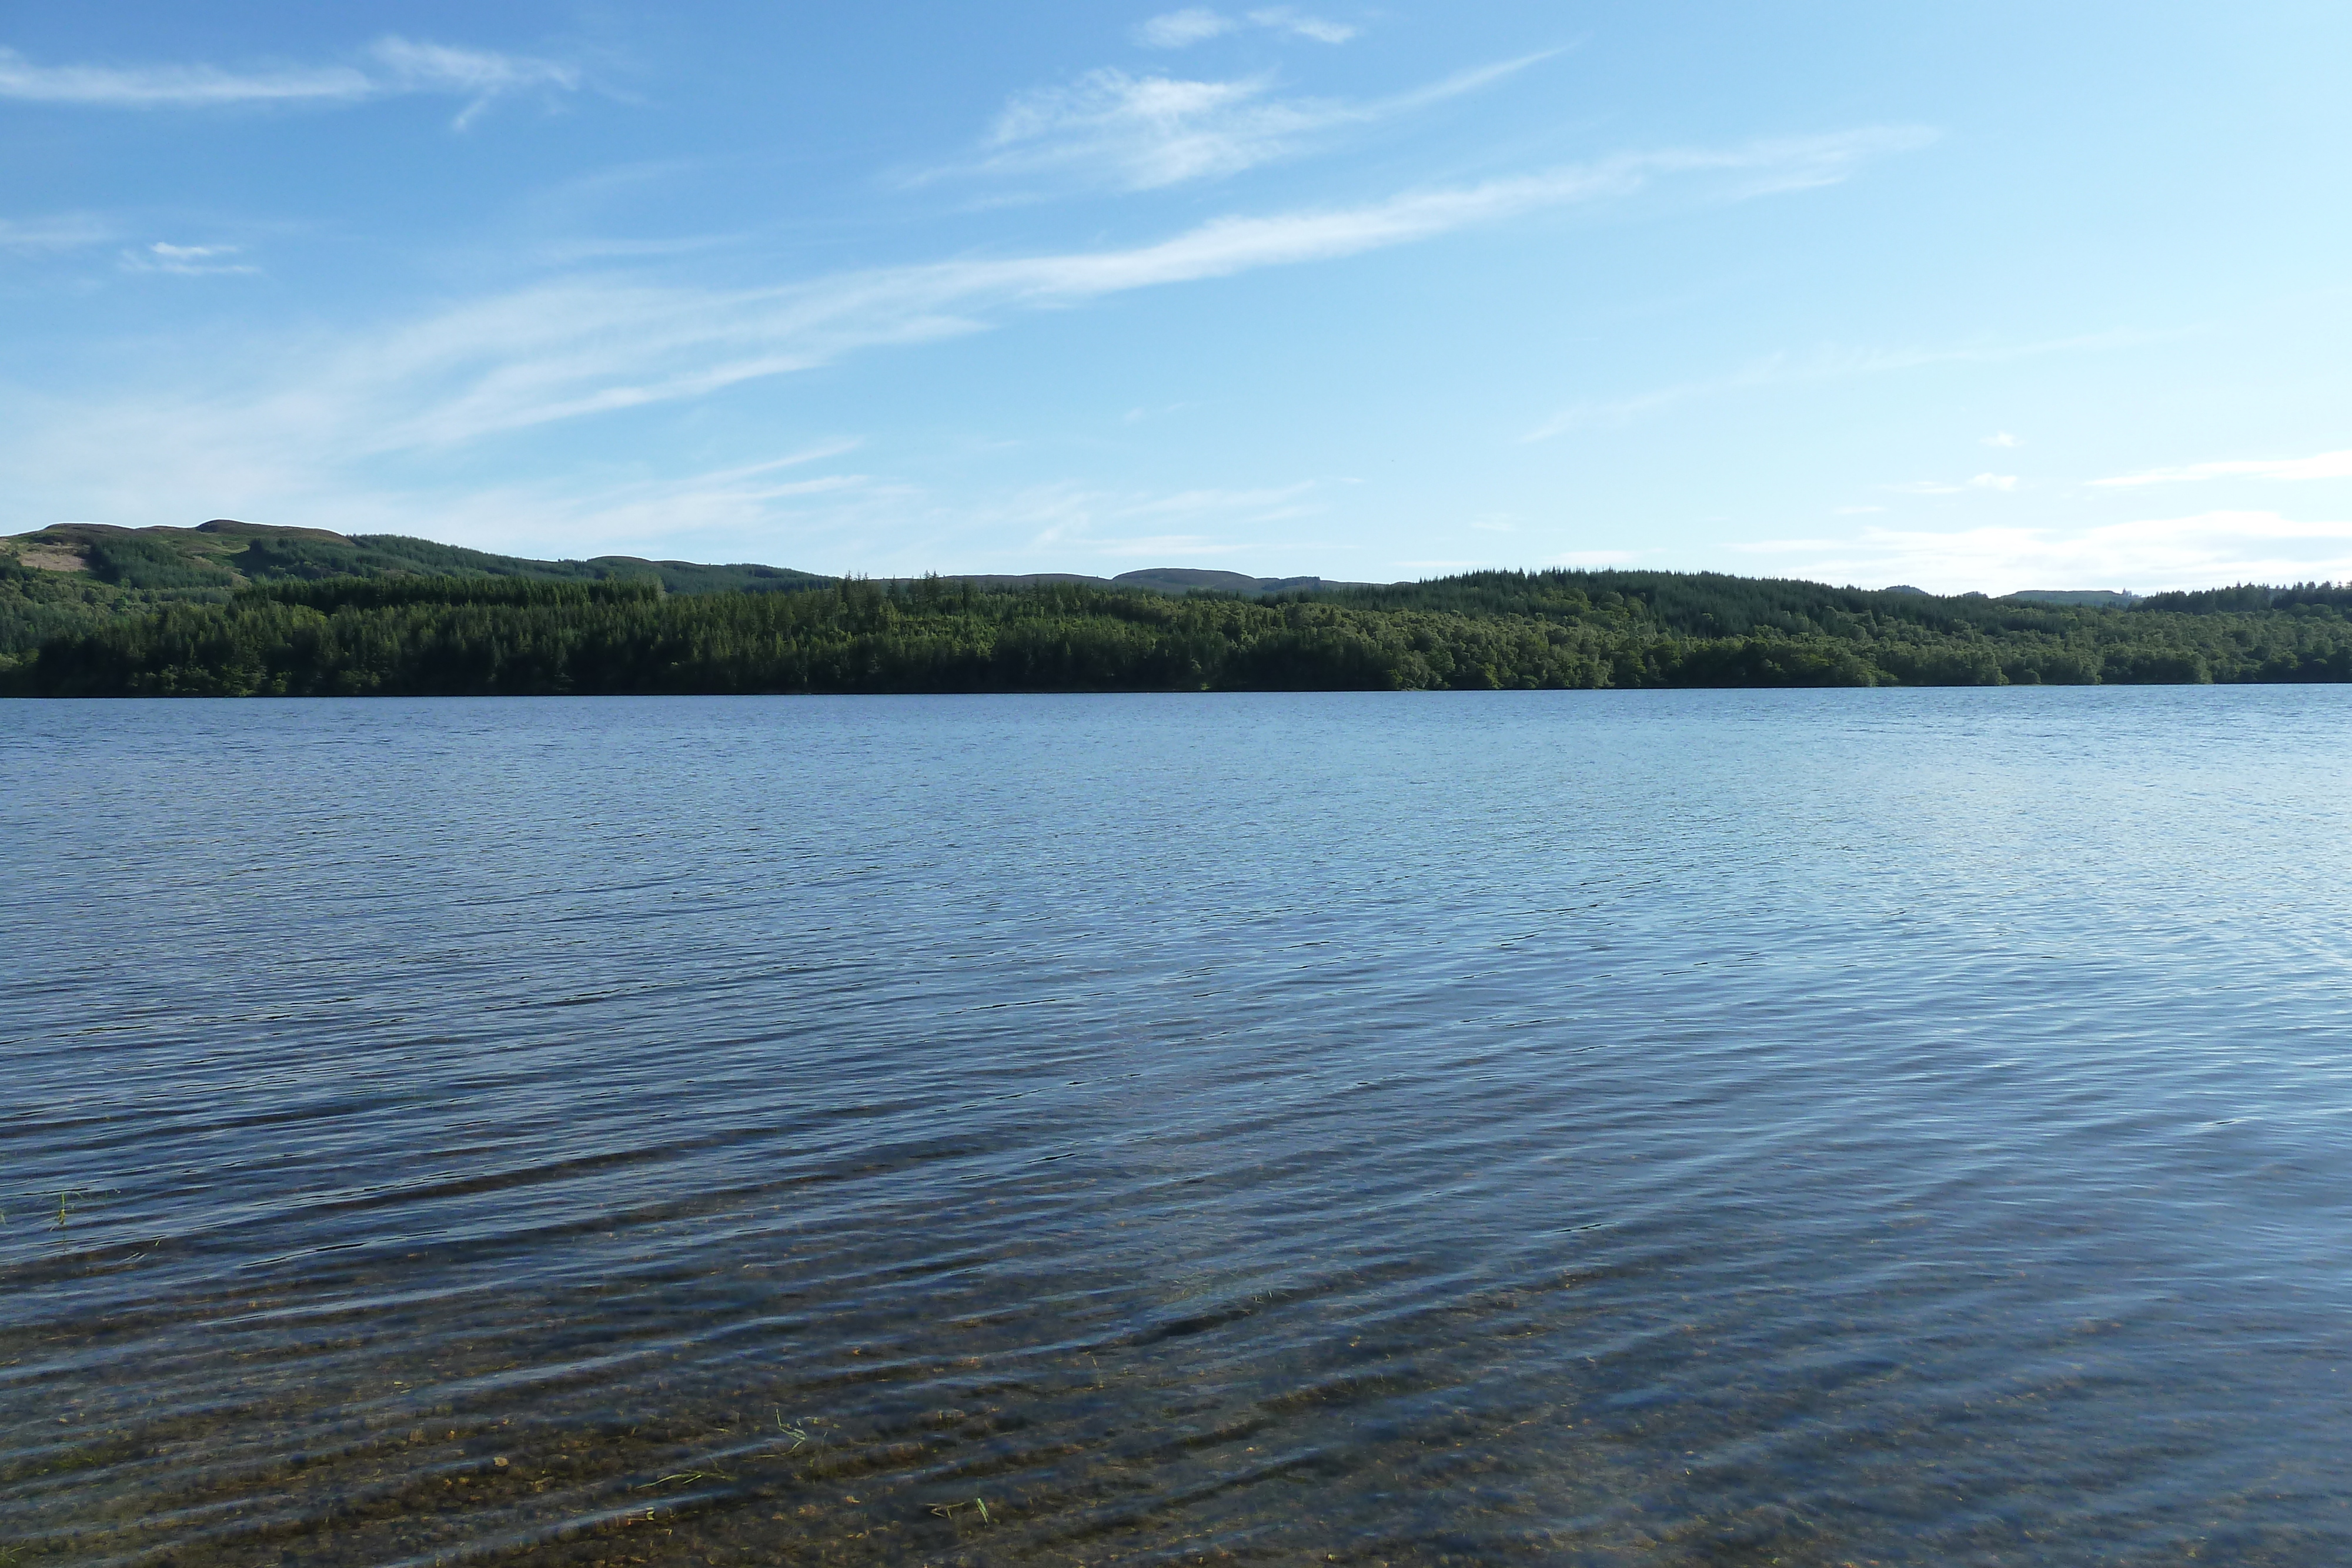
1630	1128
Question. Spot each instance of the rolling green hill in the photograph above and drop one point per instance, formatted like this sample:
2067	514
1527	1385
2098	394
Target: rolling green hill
75	577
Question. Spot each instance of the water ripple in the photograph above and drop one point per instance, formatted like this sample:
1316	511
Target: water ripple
1664	1128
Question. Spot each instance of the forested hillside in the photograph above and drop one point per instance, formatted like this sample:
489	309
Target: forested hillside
77	576
627	633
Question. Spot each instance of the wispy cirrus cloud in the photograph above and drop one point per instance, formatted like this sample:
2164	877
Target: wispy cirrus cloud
1197	24
1129	526
2325	466
582	347
70	231
1298	23
187	260
481	76
1145	132
391	66
309	420
1951	488
726	509
1182	29
177	86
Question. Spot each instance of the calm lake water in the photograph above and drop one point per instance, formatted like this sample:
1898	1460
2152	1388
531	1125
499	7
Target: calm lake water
1627	1128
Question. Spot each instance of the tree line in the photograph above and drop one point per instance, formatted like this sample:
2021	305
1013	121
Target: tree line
514	636
128	573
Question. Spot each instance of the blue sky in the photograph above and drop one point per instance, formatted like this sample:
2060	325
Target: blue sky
1986	297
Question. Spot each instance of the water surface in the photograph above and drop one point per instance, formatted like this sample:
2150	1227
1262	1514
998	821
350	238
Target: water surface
1628	1128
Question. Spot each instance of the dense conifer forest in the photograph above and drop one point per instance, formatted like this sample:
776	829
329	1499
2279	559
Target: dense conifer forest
412	634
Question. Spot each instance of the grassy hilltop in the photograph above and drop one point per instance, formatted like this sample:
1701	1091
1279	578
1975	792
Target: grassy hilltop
231	609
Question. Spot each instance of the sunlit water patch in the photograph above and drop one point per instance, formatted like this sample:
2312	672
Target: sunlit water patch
1626	1128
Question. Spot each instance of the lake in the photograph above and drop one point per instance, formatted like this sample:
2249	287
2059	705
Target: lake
1891	1126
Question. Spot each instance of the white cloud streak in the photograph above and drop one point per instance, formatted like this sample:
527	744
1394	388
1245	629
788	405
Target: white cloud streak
1147	132
397	66
187	260
1182	29
2326	465
1945	488
314	425
71	230
1290	19
568	350
1197	24
176	86
1106	523
479	75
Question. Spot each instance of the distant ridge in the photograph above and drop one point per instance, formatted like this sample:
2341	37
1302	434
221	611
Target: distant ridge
1177	579
225	554
2112	596
252	531
1184	579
